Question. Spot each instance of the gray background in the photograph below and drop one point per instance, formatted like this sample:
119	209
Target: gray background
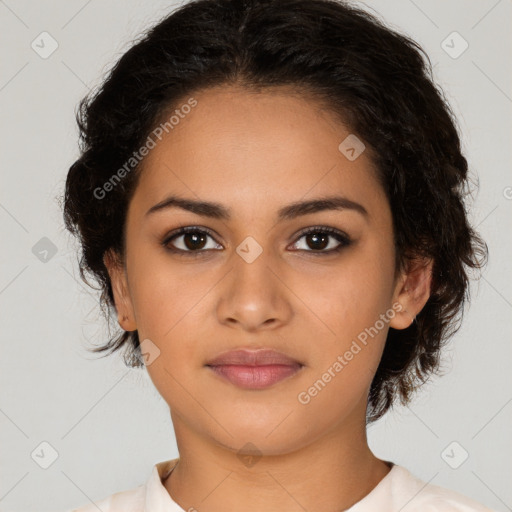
107	423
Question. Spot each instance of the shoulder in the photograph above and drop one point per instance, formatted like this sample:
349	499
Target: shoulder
128	501
151	495
415	495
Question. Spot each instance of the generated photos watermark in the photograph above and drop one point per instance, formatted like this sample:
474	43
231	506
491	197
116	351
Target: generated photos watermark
304	397
137	156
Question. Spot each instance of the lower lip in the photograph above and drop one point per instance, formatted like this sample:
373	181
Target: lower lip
255	377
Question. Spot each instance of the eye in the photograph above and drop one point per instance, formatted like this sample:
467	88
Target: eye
190	239
323	240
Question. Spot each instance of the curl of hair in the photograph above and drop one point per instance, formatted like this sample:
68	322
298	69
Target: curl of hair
378	82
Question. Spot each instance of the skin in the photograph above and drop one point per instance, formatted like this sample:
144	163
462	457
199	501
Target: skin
255	153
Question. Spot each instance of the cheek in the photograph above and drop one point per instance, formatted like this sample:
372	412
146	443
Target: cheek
169	301
352	305
350	297
163	292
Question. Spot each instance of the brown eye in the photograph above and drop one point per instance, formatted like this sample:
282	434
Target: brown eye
322	240
194	240
317	241
190	239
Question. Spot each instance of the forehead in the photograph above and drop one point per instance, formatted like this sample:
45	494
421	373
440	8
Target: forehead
263	148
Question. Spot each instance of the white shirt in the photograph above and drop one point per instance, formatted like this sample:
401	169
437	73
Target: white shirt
399	490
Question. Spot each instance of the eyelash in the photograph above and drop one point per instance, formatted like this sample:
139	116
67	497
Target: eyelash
343	239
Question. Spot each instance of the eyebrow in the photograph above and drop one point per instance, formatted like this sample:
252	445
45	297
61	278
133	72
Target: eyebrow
291	211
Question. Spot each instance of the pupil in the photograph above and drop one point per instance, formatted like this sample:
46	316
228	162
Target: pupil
196	238
316	238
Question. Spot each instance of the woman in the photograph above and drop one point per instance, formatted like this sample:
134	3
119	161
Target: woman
270	194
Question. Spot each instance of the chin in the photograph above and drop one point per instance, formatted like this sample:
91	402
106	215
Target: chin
269	435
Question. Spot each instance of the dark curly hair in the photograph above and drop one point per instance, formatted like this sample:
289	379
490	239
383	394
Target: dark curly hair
378	82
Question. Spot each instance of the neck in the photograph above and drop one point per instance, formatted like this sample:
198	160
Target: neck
331	474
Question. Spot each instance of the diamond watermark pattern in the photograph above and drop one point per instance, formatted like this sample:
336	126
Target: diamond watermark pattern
351	147
44	45
249	455
249	249
44	455
44	250
149	352
454	45
454	455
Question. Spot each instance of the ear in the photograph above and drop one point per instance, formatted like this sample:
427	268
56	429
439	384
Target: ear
412	292
122	299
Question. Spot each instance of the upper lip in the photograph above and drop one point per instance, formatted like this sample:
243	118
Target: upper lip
248	357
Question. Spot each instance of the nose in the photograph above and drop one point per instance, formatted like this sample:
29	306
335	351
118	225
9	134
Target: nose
254	297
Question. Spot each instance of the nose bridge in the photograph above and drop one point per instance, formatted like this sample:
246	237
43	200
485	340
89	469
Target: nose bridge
252	279
251	269
252	294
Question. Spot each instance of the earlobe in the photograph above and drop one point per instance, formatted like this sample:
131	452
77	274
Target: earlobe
412	292
122	299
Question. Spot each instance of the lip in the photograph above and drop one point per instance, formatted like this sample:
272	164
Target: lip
247	357
254	369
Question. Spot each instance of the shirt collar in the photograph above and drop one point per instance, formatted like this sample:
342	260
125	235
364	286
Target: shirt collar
157	498
381	497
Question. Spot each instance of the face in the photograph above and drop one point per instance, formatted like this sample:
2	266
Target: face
253	272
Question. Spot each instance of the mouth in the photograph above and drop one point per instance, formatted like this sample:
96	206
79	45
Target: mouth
254	369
